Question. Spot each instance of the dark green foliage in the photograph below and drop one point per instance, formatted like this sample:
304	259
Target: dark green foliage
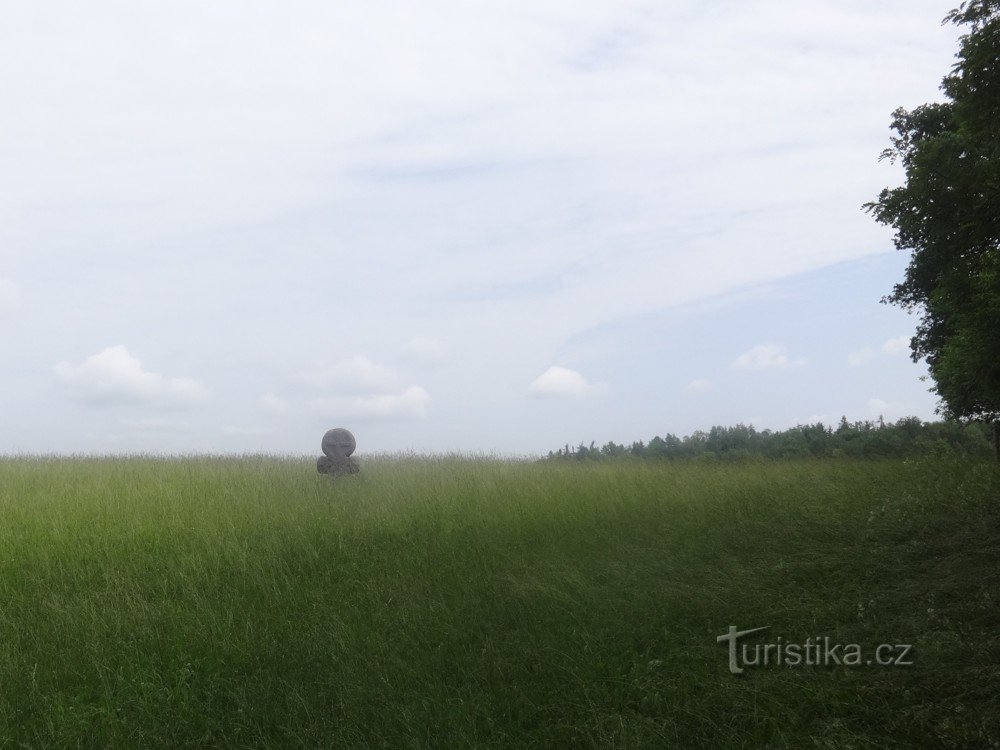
908	437
948	214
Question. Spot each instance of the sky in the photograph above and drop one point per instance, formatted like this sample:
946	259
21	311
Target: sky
450	226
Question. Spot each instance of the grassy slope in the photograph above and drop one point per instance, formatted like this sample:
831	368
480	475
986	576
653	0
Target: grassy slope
450	603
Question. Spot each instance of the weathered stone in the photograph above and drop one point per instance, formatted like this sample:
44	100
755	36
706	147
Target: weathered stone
338	443
337	466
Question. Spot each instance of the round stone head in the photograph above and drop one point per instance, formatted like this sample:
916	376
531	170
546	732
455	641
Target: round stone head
338	443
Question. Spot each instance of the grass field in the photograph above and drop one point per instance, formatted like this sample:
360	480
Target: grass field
437	603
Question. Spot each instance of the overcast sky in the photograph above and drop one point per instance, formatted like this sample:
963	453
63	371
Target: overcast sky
489	226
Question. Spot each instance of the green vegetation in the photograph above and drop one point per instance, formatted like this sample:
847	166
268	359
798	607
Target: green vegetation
948	215
211	602
907	438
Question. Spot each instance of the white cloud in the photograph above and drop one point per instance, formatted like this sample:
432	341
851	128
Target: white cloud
357	375
561	382
898	345
424	351
150	424
699	385
273	404
10	295
766	357
355	388
409	404
115	376
890	348
861	356
238	431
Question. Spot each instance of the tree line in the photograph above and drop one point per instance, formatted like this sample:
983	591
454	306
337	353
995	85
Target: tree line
908	437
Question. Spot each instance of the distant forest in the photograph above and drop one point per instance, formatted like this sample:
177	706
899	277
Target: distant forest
907	437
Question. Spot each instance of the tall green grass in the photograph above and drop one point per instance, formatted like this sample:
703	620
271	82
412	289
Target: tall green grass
249	602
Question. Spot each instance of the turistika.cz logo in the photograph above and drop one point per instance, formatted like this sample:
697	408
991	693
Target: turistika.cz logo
815	652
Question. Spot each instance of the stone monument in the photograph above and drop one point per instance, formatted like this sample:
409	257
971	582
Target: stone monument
338	445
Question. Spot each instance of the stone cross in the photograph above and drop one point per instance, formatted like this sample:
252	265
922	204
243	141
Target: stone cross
338	445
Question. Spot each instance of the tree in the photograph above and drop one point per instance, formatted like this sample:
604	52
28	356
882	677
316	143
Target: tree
948	214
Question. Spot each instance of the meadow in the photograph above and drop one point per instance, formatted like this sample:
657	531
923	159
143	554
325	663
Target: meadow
469	602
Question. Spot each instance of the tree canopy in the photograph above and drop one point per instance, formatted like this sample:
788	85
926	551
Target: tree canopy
948	214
